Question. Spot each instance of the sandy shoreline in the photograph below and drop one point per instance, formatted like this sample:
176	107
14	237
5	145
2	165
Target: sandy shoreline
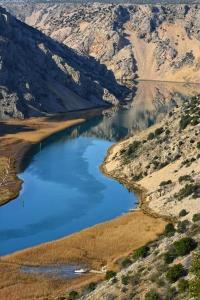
139	190
99	245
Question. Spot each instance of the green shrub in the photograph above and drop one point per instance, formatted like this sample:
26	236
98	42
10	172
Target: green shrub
132	149
184	122
175	272
110	274
186	191
182	226
169	230
126	262
167	131
184	246
158	131
151	136
73	295
163	183
152	295
185	178
194	229
196	217
183	285
171	293
169	256
195	264
125	280
183	213
198	145
194	288
141	252
92	286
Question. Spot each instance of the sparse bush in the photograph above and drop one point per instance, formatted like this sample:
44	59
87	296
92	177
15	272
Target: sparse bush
158	131
92	286
198	145
151	136
126	262
183	285
175	272
184	122
171	293
169	256
163	183
194	288
182	226
186	191
73	295
184	246
110	274
125	280
194	229
167	131
169	230
160	282
152	295
183	213
196	217
135	279
185	178
132	149
141	252
195	264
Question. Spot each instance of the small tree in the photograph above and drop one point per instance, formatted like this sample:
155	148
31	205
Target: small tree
73	295
110	274
152	295
169	229
175	272
183	285
183	213
196	218
141	252
184	246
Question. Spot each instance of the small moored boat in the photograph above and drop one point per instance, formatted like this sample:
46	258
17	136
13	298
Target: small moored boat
81	271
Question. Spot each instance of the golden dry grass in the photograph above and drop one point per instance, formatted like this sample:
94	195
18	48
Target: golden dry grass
100	245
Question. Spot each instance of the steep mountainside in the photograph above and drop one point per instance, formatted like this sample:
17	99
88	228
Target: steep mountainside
135	41
40	76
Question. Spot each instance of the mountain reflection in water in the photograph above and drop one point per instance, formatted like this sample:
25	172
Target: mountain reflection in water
64	190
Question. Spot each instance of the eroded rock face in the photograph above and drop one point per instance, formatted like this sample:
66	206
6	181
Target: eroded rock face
40	76
134	41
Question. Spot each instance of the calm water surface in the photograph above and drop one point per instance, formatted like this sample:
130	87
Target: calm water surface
64	190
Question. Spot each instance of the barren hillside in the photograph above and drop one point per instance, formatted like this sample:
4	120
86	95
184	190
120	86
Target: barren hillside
135	41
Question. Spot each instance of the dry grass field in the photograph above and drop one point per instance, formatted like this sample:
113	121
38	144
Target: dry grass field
99	245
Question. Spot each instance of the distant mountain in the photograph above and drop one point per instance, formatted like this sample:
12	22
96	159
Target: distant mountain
40	76
146	42
108	1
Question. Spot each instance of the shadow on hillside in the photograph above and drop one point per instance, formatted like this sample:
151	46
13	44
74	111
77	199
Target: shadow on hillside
13	128
34	64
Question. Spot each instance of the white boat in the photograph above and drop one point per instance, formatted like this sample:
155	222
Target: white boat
80	271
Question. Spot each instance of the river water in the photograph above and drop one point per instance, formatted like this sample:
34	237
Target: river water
64	191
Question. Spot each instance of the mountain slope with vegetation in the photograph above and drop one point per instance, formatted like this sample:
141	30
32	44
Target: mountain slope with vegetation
163	163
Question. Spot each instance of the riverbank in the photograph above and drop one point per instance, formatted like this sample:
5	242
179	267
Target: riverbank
103	244
17	137
163	163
